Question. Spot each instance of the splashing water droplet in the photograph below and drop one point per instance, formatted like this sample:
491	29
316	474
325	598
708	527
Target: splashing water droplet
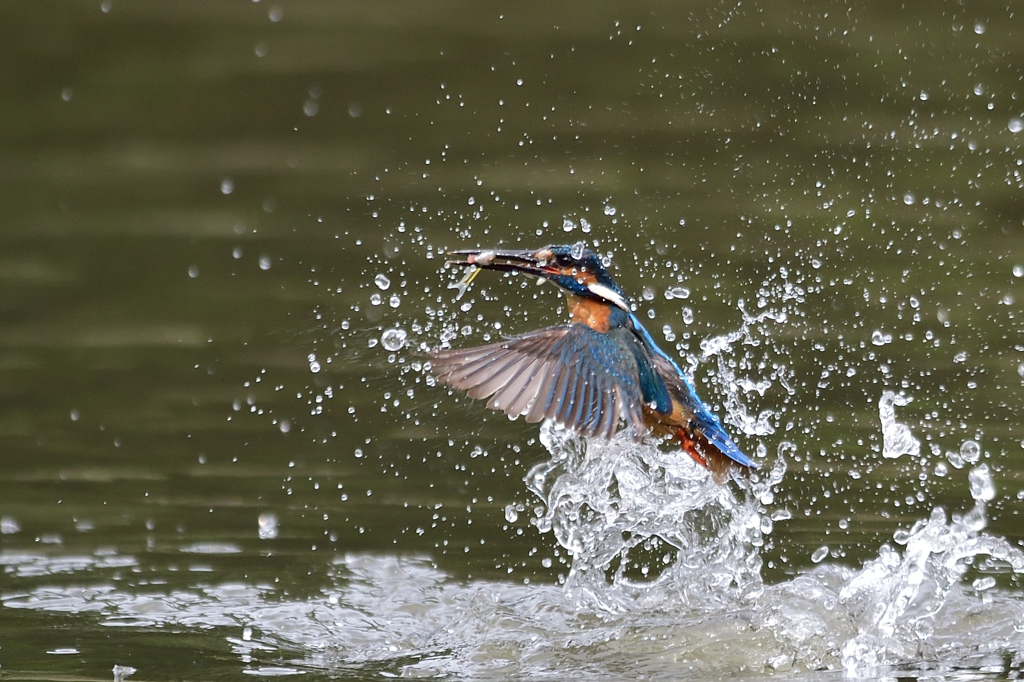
819	554
1015	125
610	210
982	488
267	525
897	439
880	339
677	292
393	339
568	225
382	282
314	364
577	250
970	451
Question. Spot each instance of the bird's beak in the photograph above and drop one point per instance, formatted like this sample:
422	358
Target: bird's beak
528	262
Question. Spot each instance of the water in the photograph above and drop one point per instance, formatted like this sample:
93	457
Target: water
665	581
223	244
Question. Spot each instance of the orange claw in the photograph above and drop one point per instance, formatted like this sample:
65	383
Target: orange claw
690	447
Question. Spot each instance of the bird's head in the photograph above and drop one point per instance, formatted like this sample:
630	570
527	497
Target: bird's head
574	268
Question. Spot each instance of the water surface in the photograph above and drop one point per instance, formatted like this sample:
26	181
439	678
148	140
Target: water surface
213	214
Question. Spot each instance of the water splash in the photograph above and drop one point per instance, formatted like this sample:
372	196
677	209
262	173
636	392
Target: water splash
908	611
914	605
897	438
665	583
638	521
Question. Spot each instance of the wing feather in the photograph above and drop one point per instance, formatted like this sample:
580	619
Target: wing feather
583	379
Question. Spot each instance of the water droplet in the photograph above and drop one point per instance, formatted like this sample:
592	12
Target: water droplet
376	299
982	489
909	199
394	301
577	250
267	525
979	27
193	271
897	438
511	515
960	357
393	339
880	339
584	225
1015	125
227	186
314	364
687	316
382	282
819	554
970	451
1020	371
568	225
677	292
610	210
285	426
264	262
984	583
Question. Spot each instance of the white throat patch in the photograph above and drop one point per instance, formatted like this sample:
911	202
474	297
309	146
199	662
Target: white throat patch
608	295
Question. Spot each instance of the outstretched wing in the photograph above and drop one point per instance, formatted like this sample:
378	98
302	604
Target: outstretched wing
580	378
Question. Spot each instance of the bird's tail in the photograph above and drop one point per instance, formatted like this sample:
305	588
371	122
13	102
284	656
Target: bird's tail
709	456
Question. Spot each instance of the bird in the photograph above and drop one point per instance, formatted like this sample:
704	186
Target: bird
599	370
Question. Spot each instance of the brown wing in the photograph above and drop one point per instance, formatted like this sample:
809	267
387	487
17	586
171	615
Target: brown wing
571	374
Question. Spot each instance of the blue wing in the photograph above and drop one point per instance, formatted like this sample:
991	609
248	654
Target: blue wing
580	378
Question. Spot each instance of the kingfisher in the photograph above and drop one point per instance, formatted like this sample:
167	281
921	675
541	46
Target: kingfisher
599	370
